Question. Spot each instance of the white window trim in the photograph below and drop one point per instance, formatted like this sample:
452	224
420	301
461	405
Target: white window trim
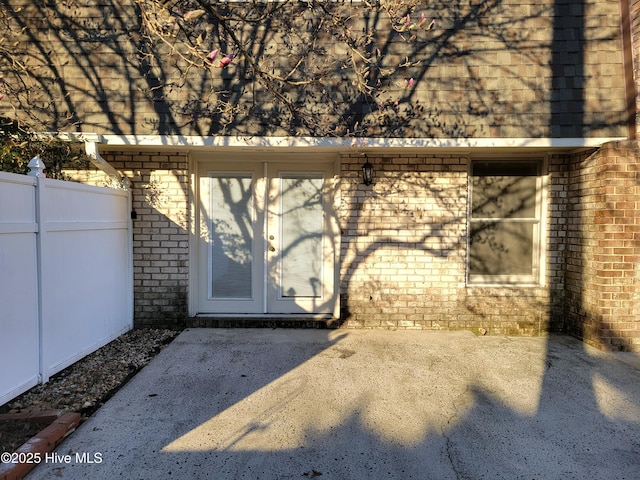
540	241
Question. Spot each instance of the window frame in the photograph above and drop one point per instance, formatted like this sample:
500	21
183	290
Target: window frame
538	268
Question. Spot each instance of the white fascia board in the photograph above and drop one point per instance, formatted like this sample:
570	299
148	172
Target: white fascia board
334	143
347	143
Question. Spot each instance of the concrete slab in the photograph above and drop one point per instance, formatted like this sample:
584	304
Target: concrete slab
354	404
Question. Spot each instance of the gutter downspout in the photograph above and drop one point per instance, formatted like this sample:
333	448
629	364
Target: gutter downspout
118	181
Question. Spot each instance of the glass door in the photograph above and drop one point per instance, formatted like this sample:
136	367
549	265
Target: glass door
266	239
230	240
301	239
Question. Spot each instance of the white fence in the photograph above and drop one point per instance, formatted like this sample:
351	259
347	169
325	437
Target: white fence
66	285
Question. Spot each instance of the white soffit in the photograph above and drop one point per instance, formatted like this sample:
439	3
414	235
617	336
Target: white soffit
327	144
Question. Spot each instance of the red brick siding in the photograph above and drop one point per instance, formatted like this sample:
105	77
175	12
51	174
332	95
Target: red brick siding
603	258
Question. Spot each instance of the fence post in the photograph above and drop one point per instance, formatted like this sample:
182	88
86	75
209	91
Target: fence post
37	167
130	277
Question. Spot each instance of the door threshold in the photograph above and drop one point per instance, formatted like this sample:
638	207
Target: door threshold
271	321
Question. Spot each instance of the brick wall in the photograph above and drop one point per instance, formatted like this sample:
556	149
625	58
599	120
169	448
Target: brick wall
603	258
160	234
404	252
404	241
558	184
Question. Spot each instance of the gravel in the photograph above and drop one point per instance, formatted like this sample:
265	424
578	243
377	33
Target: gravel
84	386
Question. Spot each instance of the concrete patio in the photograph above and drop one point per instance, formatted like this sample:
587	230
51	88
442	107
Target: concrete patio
364	404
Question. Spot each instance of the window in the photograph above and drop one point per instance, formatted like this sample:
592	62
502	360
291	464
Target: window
505	222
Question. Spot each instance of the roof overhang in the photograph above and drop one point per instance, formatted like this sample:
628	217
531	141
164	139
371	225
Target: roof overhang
335	144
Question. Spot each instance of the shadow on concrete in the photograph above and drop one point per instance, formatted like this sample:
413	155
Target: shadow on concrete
233	404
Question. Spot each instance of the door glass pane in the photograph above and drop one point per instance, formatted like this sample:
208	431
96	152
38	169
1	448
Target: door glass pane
231	236
301	230
501	248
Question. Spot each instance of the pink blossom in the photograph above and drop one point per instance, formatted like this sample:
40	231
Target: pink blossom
409	83
431	25
213	54
226	60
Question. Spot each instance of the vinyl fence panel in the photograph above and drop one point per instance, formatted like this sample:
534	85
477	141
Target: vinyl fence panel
66	285
19	342
85	270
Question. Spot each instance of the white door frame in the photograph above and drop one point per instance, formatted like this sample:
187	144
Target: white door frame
294	162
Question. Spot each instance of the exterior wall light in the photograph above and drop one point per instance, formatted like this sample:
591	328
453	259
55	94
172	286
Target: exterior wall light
367	173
